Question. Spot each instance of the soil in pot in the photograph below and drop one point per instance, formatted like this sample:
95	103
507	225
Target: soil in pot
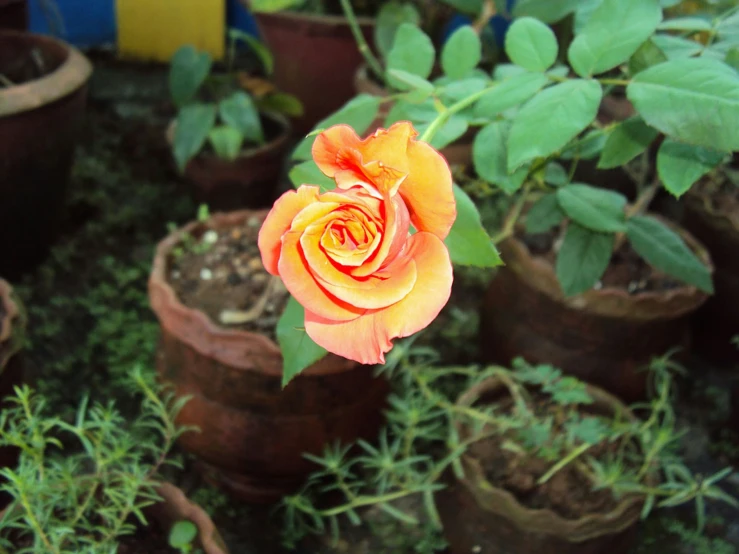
254	431
604	336
498	508
710	213
228	275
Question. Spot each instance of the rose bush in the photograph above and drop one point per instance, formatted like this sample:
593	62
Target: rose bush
349	255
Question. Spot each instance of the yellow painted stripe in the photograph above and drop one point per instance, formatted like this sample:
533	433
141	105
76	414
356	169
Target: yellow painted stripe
155	29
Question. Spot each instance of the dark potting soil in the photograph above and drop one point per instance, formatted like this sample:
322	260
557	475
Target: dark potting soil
722	186
627	270
222	271
568	493
24	66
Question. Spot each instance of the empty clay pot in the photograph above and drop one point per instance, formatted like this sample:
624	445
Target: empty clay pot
39	121
603	336
717	321
480	517
249	181
316	57
457	153
253	432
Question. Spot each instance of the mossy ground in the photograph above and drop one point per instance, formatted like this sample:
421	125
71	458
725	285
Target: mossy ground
90	321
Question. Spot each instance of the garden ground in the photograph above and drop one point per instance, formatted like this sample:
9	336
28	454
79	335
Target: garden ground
90	322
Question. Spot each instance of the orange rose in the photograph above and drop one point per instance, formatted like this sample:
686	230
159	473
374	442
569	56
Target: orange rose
348	257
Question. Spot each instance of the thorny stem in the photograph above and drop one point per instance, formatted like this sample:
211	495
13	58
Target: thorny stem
364	49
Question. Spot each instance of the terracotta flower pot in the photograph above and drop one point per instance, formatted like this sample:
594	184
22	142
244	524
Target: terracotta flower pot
175	506
39	120
14	14
253	432
316	57
13	323
717	321
249	181
602	336
457	153
480	517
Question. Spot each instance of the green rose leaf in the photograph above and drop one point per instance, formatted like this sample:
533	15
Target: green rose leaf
239	112
544	214
490	155
461	53
686	24
531	44
468	243
308	173
548	11
556	175
614	31
679	165
587	147
187	71
391	16
694	100
626	141
665	250
462	88
508	93
403	80
298	349
646	56
597	209
676	47
412	51
551	119
732	57
358	113
194	122
226	142
582	259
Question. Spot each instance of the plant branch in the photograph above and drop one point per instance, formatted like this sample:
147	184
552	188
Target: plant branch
486	14
444	116
509	226
372	61
637	208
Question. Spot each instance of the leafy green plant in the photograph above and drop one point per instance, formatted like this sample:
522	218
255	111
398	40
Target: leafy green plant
82	498
421	441
537	119
231	120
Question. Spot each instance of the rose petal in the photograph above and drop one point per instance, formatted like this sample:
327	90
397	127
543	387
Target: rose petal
279	220
367	338
327	145
428	190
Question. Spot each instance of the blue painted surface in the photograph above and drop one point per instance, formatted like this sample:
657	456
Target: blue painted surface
83	23
87	23
499	23
238	17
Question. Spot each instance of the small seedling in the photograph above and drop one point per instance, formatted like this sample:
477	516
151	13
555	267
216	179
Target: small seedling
182	536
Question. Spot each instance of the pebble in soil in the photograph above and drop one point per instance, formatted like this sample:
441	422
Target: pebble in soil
220	272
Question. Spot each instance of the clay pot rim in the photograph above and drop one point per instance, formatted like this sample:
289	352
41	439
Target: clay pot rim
12	325
275	144
536	520
65	80
175	502
537	272
702	201
162	298
315	19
